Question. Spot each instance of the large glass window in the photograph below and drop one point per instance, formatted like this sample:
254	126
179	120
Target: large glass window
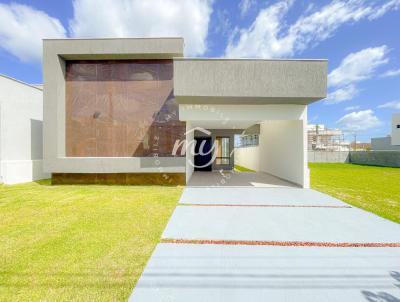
222	149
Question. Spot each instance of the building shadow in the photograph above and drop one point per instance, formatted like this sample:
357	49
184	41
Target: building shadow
383	296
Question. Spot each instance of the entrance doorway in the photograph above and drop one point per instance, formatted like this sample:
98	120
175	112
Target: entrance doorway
202	161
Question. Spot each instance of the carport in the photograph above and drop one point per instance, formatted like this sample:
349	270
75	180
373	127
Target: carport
224	96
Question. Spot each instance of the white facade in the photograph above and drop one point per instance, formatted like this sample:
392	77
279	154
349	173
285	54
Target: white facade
21	119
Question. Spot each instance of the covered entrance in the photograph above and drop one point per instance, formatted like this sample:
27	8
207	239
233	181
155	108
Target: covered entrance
280	156
224	97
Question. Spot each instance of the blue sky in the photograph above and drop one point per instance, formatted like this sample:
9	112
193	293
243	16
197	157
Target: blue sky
359	38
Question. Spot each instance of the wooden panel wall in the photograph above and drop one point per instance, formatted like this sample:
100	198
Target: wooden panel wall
119	178
123	108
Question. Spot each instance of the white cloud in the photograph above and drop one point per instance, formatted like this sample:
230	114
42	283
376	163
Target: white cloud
245	6
390	73
350	108
355	67
380	11
341	94
391	105
359	66
22	29
137	18
359	121
261	39
269	36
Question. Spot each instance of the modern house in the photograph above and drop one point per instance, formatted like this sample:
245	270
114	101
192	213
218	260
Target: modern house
390	142
121	110
21	112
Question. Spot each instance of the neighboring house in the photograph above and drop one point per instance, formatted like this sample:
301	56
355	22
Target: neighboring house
21	119
390	142
115	109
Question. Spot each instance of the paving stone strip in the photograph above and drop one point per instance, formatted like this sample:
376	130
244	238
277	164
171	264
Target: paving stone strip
281	243
262	205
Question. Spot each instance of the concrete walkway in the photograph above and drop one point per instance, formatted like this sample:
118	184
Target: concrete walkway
235	179
272	244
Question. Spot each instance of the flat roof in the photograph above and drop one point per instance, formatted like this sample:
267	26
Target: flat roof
243	59
131	38
21	82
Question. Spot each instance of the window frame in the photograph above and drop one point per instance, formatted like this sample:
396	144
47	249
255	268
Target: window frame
223	157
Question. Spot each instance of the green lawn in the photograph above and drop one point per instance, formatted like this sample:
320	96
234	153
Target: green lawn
243	169
78	243
375	189
91	243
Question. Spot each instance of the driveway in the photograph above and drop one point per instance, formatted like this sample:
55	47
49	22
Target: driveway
272	244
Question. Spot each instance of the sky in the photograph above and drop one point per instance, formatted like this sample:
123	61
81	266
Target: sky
360	39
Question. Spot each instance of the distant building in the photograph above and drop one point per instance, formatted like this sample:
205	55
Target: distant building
321	138
21	122
360	146
390	142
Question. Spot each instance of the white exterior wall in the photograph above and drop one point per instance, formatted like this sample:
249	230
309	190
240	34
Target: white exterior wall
395	130
283	150
248	157
21	120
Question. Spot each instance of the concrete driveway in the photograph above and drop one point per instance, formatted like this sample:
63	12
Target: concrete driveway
272	244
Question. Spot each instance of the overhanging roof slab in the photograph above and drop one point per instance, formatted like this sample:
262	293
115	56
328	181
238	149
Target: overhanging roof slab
249	81
254	113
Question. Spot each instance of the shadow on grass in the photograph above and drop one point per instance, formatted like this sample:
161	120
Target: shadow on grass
43	182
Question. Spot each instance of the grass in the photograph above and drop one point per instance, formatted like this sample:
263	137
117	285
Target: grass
375	189
91	243
78	243
243	169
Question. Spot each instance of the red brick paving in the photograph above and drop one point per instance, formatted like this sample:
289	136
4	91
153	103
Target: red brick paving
281	243
261	205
